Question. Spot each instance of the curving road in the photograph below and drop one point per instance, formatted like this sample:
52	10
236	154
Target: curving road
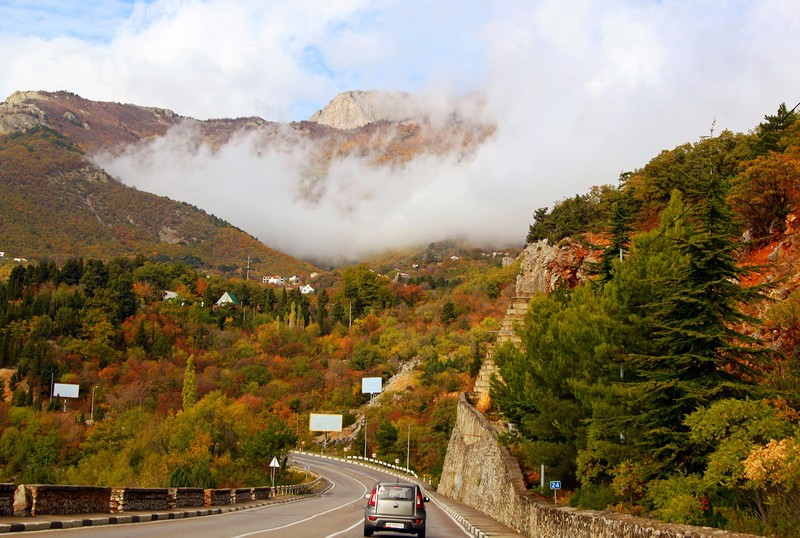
337	513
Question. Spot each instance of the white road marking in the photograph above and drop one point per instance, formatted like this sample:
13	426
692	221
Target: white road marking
348	503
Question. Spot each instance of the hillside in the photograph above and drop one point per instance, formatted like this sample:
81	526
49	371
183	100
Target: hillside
389	131
55	204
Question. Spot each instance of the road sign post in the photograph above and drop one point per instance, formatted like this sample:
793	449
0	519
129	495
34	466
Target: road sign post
555	485
274	465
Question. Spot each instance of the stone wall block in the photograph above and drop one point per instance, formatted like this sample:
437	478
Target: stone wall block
262	493
139	499
23	501
7	492
219	497
187	497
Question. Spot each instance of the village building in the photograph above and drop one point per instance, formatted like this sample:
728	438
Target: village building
228	298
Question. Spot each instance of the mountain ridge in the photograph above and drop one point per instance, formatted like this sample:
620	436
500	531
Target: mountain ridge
98	128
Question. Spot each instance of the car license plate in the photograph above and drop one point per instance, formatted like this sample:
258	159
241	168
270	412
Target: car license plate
393	525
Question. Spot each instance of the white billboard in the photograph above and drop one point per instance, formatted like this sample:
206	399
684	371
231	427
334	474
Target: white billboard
325	423
371	385
65	390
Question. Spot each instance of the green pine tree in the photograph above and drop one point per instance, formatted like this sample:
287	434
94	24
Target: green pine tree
622	214
699	355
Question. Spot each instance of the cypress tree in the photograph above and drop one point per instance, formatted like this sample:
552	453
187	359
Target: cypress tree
189	392
322	310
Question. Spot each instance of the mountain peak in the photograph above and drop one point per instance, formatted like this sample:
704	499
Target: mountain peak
353	109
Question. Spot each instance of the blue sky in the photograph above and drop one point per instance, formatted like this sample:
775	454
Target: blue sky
580	90
320	49
81	19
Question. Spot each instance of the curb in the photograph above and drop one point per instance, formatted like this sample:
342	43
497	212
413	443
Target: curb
461	520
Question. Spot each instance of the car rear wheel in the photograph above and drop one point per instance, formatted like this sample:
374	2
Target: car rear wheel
368	532
421	534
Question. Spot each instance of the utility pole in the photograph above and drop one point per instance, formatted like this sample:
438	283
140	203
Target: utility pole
247	274
91	416
408	446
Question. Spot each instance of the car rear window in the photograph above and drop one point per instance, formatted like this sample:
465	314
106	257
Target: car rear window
396	492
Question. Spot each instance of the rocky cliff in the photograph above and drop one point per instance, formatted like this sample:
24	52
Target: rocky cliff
543	268
350	110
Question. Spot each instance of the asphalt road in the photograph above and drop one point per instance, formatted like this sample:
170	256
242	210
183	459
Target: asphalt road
337	513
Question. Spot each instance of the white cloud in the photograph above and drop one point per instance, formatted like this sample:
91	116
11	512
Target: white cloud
580	91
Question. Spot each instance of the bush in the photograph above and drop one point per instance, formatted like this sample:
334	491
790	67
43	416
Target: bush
679	499
594	497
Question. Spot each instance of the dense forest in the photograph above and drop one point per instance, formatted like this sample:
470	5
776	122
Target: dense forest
669	384
181	391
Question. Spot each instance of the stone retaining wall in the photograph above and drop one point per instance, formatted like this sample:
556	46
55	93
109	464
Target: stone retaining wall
46	499
32	500
481	473
7	499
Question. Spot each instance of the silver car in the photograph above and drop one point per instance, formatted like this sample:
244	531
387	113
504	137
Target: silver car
395	507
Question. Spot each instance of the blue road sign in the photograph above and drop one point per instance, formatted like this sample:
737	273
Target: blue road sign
556	484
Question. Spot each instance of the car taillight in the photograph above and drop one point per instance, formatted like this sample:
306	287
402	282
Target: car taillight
372	497
419	499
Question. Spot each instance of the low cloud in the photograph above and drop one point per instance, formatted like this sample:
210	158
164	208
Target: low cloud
353	208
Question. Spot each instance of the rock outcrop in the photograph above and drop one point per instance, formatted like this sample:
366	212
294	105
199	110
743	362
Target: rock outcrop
17	113
543	268
353	109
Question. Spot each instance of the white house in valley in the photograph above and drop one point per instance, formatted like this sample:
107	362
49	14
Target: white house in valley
228	298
